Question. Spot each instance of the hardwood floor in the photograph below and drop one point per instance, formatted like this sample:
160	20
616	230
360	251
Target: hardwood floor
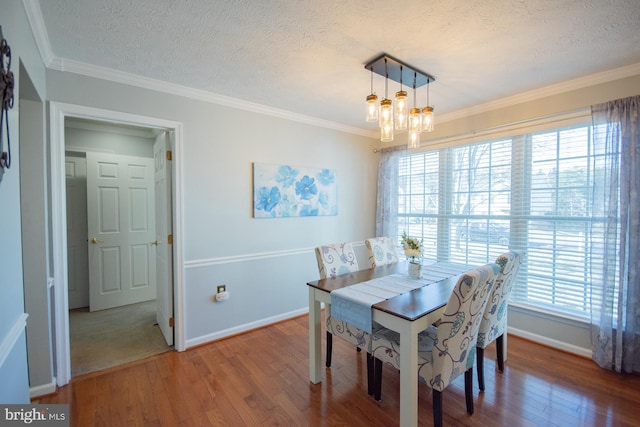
262	378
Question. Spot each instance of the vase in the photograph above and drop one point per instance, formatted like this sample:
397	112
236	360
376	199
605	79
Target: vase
415	270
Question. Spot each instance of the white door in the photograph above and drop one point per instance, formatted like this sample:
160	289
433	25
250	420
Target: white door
164	252
121	229
77	264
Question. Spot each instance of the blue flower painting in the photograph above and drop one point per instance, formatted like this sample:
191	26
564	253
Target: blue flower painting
286	191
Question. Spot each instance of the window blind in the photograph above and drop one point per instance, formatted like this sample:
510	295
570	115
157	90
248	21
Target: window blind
531	192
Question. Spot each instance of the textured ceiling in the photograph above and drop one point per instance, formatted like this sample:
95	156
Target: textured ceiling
308	56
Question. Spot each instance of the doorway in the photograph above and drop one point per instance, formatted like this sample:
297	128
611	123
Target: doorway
111	214
59	114
113	248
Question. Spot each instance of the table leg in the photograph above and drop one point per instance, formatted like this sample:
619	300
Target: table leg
315	345
504	346
408	377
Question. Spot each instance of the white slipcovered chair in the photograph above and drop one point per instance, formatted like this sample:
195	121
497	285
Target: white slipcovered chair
382	251
447	351
494	321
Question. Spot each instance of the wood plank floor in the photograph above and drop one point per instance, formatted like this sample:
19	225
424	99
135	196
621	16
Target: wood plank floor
262	378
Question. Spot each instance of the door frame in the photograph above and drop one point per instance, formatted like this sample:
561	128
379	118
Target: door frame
57	114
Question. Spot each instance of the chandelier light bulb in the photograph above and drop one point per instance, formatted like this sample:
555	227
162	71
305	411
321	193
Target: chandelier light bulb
414	139
415	121
400	110
427	119
386	113
386	133
372	108
386	120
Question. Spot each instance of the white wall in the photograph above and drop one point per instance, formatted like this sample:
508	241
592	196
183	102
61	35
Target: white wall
107	139
14	381
265	263
37	295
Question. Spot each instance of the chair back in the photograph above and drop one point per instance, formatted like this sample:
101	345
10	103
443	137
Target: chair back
382	251
455	346
336	259
494	320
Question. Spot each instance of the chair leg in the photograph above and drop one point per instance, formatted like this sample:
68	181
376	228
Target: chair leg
329	349
437	408
480	363
378	377
468	389
371	378
500	352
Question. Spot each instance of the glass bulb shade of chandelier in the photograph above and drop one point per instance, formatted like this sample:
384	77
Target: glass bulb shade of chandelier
386	120
386	112
427	119
386	133
400	110
415	120
372	108
414	139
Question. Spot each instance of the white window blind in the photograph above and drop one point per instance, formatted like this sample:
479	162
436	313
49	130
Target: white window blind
529	192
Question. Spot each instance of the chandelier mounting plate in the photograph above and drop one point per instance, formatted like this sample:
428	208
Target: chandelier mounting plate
389	67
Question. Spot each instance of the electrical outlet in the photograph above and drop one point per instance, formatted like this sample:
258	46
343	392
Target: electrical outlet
222	288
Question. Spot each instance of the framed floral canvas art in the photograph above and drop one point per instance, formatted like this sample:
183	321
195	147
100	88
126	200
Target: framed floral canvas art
291	191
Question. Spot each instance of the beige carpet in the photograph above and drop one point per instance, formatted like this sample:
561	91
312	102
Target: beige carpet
112	337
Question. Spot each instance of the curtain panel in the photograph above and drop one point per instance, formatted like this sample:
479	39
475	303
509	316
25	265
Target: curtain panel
615	291
387	198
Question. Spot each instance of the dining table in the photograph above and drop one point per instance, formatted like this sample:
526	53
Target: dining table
407	313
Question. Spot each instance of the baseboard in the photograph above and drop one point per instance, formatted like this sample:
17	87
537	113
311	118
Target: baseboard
204	339
569	348
43	390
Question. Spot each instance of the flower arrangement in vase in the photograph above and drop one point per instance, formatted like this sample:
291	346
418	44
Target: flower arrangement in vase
413	251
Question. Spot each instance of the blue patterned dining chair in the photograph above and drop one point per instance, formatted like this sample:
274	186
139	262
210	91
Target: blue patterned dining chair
334	260
494	321
447	351
382	251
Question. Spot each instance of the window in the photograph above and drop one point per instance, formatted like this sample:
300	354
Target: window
529	192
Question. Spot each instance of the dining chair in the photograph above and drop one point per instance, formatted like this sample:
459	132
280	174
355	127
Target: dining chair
493	326
447	351
382	251
334	260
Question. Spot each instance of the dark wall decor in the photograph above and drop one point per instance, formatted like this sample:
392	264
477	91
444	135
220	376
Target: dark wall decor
6	101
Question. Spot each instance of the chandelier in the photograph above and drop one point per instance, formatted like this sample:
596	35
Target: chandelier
395	115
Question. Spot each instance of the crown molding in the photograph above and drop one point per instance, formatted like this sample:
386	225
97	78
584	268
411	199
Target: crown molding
555	89
103	73
39	30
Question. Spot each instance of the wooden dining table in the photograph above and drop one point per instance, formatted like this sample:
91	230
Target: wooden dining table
408	314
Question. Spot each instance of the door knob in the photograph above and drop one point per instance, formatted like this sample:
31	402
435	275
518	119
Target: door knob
154	243
94	241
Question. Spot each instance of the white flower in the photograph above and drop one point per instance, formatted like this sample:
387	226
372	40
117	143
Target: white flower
412	247
412	252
